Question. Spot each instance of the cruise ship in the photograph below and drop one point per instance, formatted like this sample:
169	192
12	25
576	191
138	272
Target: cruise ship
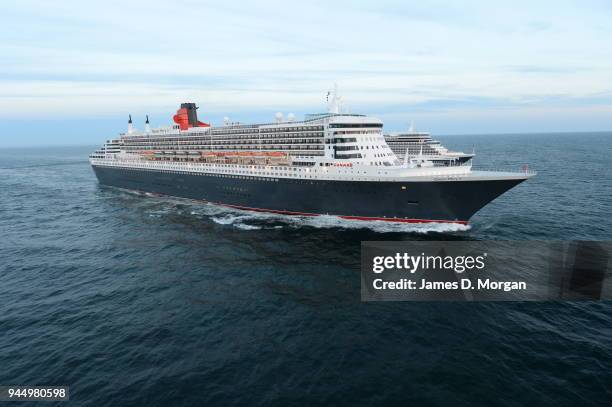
413	144
331	163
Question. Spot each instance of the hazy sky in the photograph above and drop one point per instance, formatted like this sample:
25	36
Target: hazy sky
70	71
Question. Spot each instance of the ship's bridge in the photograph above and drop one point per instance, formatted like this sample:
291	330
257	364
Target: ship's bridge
357	139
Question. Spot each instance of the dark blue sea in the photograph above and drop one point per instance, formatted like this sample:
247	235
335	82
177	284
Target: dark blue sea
133	299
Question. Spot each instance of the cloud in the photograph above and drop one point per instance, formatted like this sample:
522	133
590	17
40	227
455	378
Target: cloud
108	57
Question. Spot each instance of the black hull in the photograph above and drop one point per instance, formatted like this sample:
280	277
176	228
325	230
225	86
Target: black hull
429	201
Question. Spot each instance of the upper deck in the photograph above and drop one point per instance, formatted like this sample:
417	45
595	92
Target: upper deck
331	137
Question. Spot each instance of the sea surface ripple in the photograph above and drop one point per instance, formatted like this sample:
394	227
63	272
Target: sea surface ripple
134	299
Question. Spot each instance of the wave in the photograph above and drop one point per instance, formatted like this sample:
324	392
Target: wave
328	221
247	220
244	220
60	164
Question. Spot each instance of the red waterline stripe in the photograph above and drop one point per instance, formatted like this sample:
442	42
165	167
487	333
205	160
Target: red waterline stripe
366	218
460	222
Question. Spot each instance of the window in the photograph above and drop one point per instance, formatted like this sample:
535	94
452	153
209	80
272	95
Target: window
347	156
353	125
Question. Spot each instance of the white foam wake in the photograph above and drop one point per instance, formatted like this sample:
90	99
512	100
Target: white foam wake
327	221
246	220
239	222
243	220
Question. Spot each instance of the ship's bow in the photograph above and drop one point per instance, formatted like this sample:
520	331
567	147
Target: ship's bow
462	199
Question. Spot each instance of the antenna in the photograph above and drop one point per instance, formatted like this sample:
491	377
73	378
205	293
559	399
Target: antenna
147	126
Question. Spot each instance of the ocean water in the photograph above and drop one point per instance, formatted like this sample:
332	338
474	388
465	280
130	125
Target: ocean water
132	299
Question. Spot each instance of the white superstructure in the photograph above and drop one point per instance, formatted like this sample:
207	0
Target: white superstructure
420	145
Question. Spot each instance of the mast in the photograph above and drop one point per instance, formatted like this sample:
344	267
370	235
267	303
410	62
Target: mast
333	100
